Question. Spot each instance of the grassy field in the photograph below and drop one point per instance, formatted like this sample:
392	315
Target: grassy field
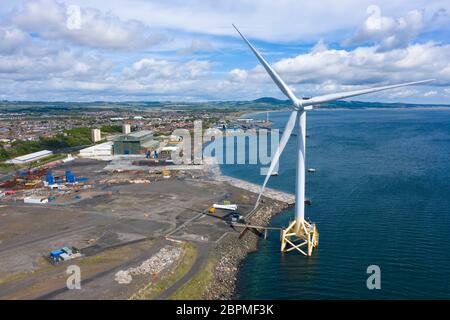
195	288
7	167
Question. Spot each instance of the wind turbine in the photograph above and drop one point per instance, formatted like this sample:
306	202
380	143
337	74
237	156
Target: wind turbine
300	232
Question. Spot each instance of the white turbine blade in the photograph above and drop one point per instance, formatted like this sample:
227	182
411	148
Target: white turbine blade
342	95
275	77
276	156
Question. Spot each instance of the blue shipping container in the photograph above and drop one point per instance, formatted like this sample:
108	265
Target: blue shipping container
70	177
56	253
50	178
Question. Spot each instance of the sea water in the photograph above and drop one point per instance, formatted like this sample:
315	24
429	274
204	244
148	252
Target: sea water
380	196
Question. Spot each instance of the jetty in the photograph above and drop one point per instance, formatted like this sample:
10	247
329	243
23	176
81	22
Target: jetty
273	194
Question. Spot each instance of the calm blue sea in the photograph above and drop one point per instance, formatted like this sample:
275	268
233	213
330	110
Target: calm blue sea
381	196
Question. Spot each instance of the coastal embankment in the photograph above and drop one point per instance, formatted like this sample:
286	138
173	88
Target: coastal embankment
233	247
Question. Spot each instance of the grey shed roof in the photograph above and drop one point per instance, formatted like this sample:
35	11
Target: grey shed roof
135	136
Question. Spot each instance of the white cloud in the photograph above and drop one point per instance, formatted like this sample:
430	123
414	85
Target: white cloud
147	77
287	20
364	65
388	32
430	93
11	40
198	59
62	64
238	75
99	30
196	45
402	93
315	72
153	69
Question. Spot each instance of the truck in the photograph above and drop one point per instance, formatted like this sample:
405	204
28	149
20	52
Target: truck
63	254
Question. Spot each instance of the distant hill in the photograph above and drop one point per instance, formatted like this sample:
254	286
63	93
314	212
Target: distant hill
348	104
270	100
264	103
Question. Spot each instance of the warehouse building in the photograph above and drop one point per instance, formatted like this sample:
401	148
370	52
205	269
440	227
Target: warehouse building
30	157
138	142
101	151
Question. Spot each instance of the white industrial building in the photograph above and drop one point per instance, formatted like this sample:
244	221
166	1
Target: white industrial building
33	200
102	151
126	128
96	135
30	157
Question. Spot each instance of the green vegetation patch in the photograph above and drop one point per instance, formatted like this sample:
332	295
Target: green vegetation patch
8	167
197	286
71	138
114	128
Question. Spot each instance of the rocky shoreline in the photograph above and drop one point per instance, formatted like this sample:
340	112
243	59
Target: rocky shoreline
231	251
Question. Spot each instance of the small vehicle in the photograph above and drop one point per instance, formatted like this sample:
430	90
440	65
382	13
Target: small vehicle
64	254
236	217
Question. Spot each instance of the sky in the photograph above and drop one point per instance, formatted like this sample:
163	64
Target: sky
157	50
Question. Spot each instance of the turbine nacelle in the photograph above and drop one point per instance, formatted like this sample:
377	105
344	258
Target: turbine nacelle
297	105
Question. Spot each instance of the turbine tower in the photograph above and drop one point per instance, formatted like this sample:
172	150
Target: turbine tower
300	232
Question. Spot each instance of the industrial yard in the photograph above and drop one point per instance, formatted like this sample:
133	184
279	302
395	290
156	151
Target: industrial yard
109	199
120	220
